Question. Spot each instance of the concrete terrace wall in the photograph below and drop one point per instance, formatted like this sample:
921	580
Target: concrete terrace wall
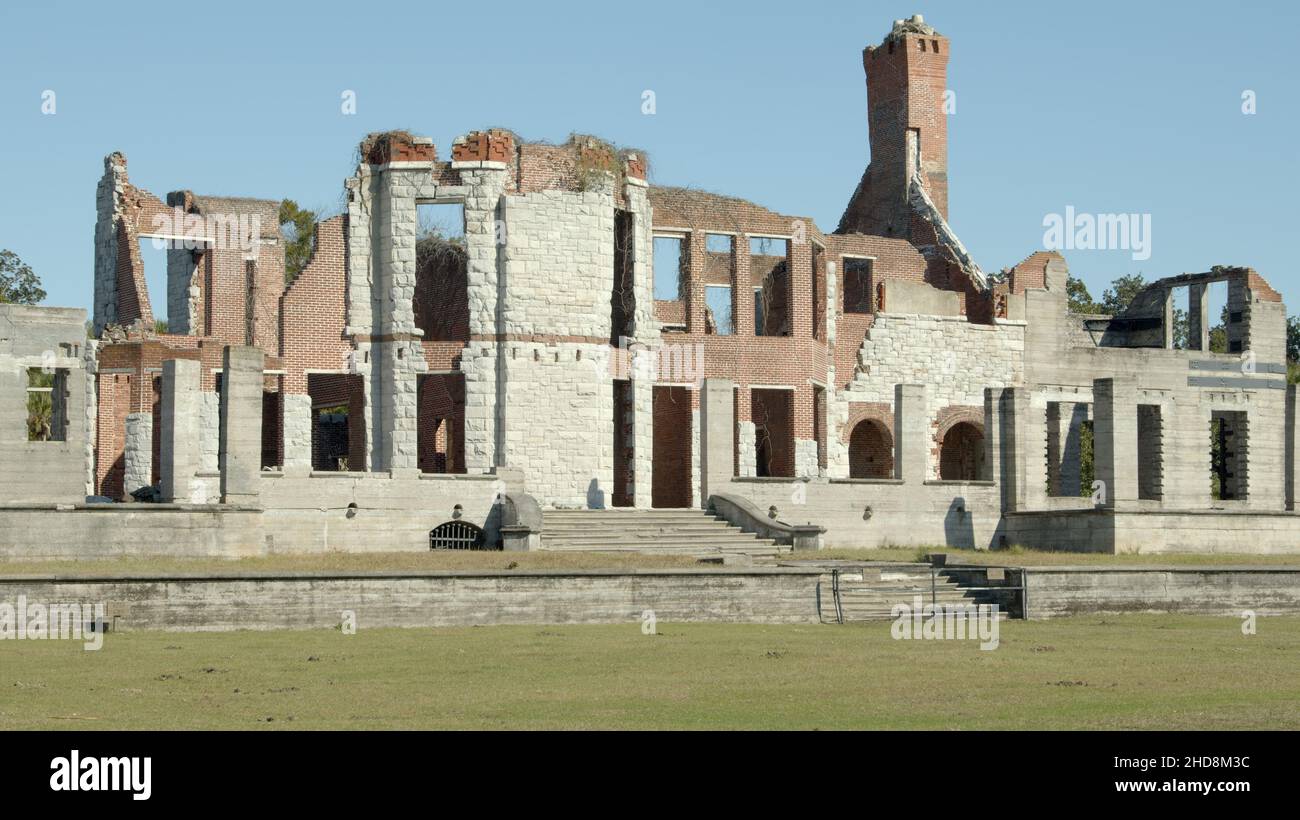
884	513
303	516
1059	591
1154	531
317	601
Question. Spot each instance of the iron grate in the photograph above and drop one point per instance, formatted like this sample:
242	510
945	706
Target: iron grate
457	535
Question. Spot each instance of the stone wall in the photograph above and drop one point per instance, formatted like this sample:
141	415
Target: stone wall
318	601
52	341
1062	591
954	358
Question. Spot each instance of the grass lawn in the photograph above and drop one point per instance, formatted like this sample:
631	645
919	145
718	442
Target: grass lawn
1092	672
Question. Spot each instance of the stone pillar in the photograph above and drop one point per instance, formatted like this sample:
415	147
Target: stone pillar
992	435
179	448
911	433
717	436
138	458
483	362
13	403
1198	318
1115	440
296	418
1292	473
240	456
396	407
643	442
1016	459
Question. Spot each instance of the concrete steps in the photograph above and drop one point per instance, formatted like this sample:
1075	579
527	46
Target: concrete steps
870	593
657	532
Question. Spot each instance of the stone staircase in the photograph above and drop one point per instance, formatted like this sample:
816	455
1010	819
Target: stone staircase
660	532
869	593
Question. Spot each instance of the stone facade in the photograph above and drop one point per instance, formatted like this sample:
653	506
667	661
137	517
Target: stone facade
564	331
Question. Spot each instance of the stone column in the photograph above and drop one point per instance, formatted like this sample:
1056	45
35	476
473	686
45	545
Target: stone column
1198	318
240	456
13	403
483	362
717	436
296	418
992	435
179	448
1115	440
138	458
396	355
643	442
1292	470
911	433
1016	452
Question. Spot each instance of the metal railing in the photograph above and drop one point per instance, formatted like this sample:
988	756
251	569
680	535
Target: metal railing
1019	591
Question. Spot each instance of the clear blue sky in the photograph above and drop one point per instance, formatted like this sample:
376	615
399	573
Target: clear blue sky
1110	107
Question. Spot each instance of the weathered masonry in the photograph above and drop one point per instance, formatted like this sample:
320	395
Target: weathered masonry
573	337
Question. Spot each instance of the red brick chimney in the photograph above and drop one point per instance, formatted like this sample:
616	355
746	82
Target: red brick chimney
907	75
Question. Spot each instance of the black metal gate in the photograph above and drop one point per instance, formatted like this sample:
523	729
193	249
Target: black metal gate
456	535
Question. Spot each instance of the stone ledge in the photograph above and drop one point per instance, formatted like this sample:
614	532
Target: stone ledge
318	575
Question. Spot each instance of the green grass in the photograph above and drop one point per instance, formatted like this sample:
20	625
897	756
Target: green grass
1113	672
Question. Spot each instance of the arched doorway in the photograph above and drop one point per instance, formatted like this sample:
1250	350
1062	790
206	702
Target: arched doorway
961	453
871	450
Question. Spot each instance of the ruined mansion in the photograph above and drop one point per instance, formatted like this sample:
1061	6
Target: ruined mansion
576	338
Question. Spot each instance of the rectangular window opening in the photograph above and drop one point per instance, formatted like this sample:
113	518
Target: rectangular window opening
47	404
769	271
338	423
1229	437
717	311
1150	453
441	300
857	285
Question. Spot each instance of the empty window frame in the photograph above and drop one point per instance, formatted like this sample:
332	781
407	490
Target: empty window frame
772	411
669	265
1150	452
769	271
338	428
1229	439
441	300
47	408
1069	449
718	318
857	285
153	260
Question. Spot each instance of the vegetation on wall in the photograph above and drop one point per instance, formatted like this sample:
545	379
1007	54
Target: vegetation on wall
298	227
